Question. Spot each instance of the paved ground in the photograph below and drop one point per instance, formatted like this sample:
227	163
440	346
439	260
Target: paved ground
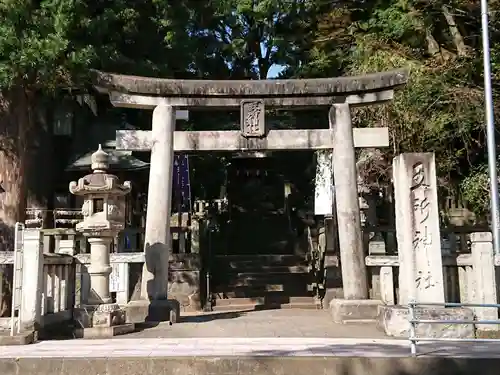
259	333
268	323
250	347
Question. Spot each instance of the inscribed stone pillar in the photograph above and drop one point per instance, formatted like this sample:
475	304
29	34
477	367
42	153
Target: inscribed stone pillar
417	228
33	280
323	184
483	267
157	237
354	277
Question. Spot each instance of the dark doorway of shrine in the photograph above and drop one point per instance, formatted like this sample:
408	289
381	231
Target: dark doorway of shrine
263	262
258	221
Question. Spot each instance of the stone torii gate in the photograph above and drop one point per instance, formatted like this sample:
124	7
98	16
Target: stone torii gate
164	96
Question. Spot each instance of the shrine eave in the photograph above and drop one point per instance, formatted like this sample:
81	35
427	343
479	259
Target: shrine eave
118	160
179	88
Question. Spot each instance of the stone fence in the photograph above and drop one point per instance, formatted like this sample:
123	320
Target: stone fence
468	278
45	287
55	283
471	271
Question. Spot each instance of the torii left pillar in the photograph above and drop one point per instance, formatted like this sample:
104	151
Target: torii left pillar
157	236
157	239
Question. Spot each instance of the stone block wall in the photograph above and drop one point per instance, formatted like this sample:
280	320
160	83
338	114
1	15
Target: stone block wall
184	284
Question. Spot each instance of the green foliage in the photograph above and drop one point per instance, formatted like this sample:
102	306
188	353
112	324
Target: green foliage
475	188
49	44
35	43
442	107
254	35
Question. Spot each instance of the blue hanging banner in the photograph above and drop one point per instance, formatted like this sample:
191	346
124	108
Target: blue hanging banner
181	184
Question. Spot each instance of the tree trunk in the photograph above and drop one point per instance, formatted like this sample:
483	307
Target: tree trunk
432	44
462	49
15	126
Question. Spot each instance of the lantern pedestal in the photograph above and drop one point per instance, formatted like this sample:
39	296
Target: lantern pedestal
101	321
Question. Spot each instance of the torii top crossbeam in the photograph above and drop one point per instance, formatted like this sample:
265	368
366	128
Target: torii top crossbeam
253	97
145	92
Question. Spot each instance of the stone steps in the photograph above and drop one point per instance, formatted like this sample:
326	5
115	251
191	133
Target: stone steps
266	306
269	302
261	280
264	299
252	270
245	260
296	276
251	290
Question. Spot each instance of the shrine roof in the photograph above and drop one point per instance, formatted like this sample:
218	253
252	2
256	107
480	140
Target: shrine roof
110	82
118	160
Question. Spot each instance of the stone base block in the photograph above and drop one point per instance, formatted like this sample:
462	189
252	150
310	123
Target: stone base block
153	311
393	320
104	332
184	287
330	294
347	311
23	338
101	321
99	316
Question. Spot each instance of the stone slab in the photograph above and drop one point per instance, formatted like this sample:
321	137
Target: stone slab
104	332
250	366
393	321
346	311
232	140
24	338
153	311
289	323
245	347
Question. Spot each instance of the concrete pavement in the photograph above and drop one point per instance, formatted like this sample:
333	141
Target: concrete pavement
248	347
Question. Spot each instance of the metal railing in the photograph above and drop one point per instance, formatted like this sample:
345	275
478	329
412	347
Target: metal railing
414	321
17	280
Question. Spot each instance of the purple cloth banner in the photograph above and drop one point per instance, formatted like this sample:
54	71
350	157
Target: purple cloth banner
181	184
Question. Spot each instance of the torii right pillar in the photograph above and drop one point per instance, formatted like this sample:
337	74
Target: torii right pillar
355	305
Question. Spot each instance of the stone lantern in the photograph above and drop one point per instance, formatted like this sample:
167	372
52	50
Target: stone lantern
103	218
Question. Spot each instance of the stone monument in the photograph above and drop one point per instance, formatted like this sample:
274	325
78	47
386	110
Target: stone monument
417	228
103	217
419	253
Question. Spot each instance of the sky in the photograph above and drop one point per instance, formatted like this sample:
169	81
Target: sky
275	70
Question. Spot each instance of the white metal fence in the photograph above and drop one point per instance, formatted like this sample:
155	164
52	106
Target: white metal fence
415	321
17	279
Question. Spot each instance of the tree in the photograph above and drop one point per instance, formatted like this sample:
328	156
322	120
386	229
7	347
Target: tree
35	55
441	109
47	47
252	35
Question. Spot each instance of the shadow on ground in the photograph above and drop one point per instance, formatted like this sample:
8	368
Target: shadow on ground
213	316
380	350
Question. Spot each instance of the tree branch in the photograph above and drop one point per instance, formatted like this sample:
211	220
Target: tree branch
462	49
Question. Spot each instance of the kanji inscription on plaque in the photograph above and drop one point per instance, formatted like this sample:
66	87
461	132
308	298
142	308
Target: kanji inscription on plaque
253	118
